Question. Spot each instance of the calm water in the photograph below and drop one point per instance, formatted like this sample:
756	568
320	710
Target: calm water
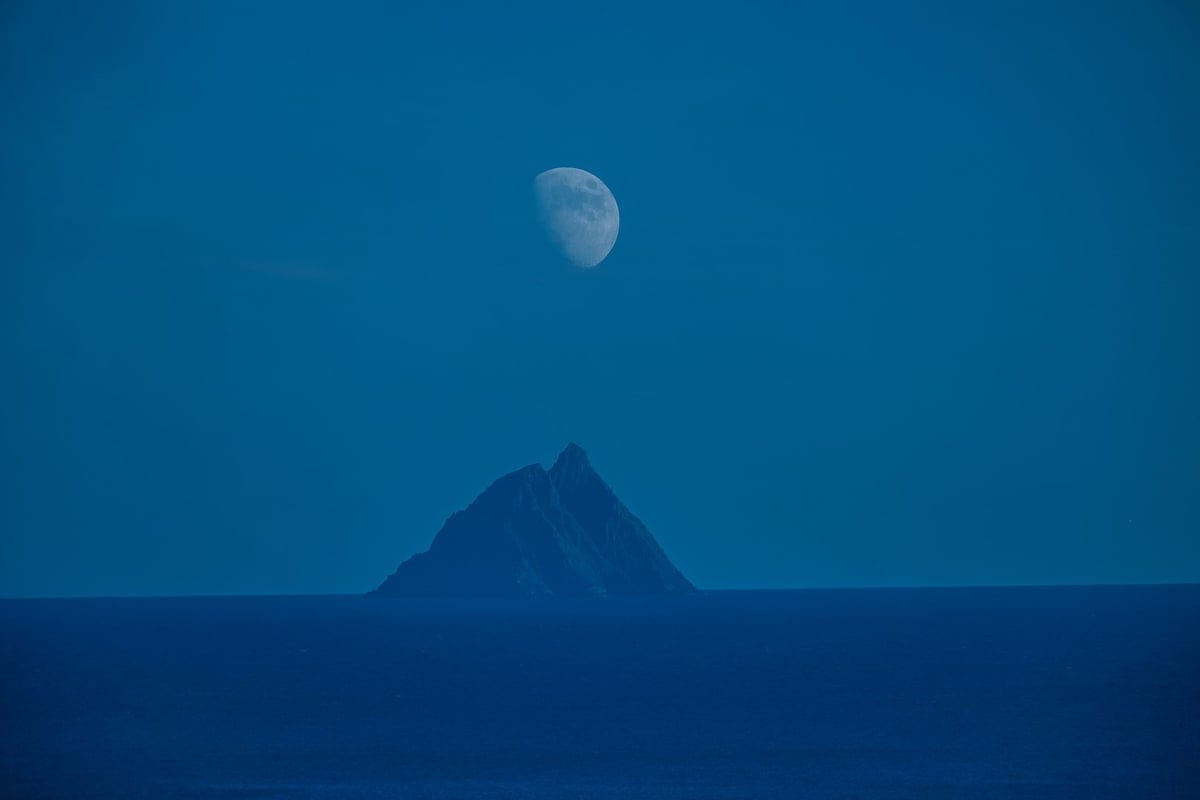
951	693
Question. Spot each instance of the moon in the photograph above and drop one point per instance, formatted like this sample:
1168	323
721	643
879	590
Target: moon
579	213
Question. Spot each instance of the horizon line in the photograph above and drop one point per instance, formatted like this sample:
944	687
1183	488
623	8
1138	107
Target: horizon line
699	590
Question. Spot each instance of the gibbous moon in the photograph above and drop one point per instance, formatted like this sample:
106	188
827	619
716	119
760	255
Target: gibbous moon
579	213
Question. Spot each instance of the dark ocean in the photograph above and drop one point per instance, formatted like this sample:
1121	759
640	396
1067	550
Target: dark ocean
932	693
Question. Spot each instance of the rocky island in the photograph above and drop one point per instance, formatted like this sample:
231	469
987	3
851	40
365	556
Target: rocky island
535	531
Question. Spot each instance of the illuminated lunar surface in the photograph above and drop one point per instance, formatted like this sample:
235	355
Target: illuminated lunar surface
579	213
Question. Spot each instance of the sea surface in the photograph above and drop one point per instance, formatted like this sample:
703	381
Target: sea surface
1087	692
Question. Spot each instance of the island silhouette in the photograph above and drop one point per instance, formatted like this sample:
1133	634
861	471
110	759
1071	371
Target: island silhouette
534	531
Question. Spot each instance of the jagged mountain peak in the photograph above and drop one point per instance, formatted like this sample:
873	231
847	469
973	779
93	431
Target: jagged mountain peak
538	531
573	467
572	454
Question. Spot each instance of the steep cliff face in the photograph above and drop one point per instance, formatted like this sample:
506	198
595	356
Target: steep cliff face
632	558
539	532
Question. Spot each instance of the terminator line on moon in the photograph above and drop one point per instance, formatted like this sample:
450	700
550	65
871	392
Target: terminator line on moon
579	213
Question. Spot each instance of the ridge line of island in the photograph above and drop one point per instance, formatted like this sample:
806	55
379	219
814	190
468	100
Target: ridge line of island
534	532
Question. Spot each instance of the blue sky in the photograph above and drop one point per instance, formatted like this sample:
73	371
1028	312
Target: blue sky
904	293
